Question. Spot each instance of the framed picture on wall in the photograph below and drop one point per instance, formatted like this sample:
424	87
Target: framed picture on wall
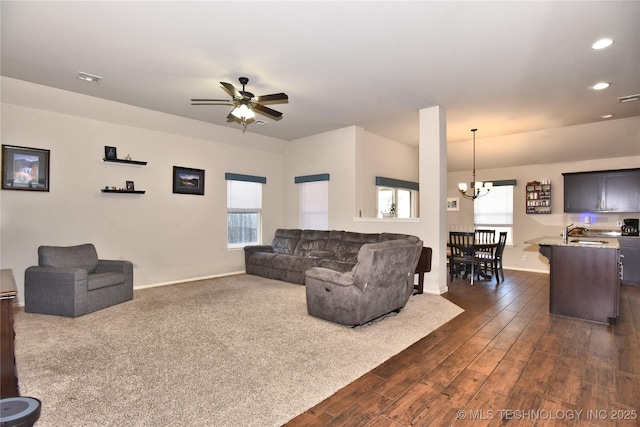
110	153
453	203
25	168
130	186
188	180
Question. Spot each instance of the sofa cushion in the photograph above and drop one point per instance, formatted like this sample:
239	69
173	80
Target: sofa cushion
311	241
351	244
83	257
264	259
102	280
385	237
292	263
334	243
398	256
285	241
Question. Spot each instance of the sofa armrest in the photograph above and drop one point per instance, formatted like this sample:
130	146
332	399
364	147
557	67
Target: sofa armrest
258	248
330	276
114	266
51	290
53	276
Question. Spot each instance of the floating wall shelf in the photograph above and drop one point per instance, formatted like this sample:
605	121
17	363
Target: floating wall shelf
131	162
124	191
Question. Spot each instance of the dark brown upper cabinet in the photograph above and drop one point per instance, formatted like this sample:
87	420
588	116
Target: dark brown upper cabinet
602	191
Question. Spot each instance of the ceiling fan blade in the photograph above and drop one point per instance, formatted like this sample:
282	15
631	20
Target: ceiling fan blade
274	97
212	103
232	90
268	111
209	100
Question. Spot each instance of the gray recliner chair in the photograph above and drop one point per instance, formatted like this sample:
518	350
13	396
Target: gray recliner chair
380	283
72	281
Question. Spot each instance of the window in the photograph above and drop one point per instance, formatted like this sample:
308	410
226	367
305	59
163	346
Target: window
314	201
314	205
244	208
495	210
396	198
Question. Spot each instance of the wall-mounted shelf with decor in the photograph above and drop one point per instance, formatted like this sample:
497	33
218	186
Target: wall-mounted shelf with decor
124	191
131	162
538	197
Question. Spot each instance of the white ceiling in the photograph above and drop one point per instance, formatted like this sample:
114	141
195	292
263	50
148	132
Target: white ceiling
501	67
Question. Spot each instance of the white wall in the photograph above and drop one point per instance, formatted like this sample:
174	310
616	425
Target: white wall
329	152
173	237
169	237
353	157
383	157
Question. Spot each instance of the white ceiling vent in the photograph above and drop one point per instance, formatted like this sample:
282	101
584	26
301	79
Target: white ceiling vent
629	98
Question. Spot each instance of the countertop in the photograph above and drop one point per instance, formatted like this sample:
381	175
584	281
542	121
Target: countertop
607	242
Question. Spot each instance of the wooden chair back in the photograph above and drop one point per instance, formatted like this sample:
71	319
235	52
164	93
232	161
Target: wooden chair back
485	236
461	244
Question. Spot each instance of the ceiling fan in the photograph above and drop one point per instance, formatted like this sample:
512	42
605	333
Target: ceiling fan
245	104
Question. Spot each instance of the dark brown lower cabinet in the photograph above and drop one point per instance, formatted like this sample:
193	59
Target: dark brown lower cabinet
584	282
630	251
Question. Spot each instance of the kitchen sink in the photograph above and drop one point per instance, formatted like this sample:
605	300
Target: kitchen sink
589	242
595	232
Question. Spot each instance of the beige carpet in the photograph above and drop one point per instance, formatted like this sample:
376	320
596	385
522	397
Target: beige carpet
232	351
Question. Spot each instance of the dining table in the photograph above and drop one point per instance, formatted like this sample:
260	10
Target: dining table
481	254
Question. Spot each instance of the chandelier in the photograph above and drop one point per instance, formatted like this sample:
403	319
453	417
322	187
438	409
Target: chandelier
479	188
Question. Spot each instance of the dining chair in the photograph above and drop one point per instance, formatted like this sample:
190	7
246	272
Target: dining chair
485	236
462	254
489	260
502	242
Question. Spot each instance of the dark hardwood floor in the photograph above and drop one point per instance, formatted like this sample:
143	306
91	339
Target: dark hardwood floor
504	361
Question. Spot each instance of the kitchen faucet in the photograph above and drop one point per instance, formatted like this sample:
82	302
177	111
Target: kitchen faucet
565	233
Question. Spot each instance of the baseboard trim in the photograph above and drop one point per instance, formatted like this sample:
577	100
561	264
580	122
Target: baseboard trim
191	279
530	270
155	285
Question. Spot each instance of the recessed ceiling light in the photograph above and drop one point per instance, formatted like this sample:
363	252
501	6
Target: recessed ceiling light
601	85
601	44
89	77
606	116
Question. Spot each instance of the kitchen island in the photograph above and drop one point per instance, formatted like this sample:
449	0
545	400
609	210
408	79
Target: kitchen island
584	276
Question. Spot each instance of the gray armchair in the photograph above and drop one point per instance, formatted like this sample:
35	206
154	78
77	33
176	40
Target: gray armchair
380	283
72	281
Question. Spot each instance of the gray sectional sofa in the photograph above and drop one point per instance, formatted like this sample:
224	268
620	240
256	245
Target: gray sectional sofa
294	251
380	283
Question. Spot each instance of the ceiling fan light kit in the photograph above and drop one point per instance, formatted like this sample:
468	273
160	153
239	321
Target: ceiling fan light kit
243	112
245	104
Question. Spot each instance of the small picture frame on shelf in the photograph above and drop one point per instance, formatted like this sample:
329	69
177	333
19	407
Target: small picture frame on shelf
188	180
25	168
130	186
453	203
110	153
